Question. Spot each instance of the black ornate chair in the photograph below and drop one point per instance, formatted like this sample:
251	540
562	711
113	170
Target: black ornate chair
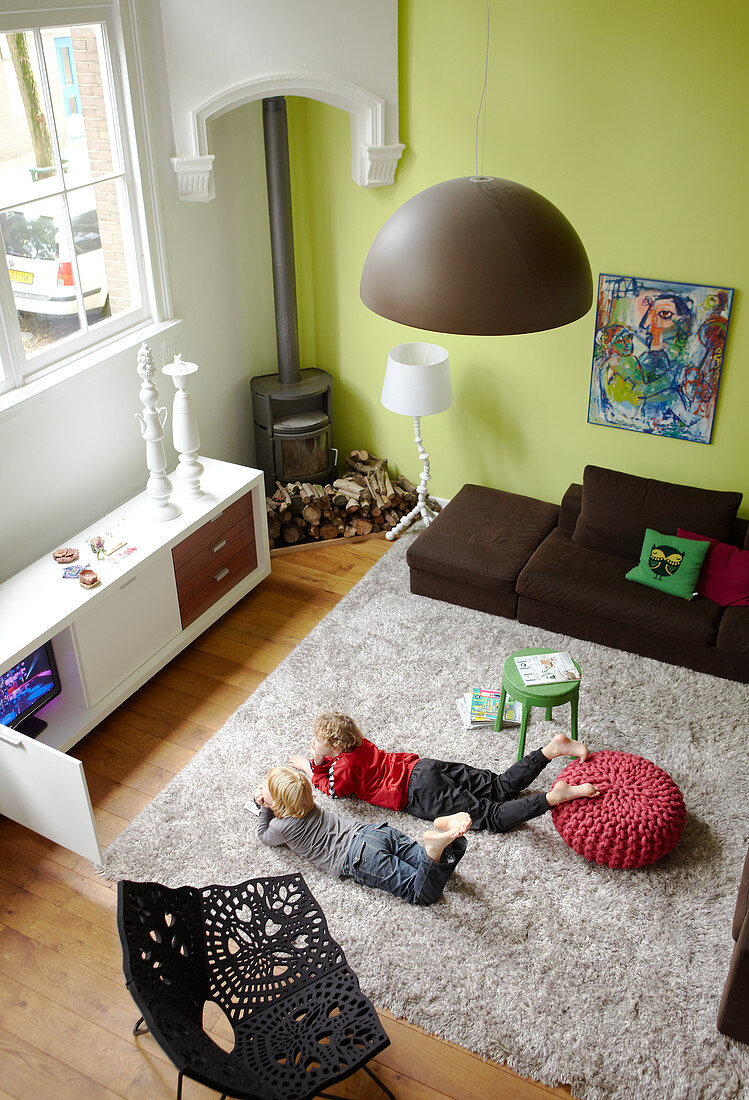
262	952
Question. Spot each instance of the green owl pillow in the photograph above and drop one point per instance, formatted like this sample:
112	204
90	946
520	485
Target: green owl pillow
670	564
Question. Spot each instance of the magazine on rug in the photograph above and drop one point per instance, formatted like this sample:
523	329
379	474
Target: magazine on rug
478	709
546	668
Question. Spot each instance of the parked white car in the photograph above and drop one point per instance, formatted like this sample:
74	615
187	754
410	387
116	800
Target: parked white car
40	265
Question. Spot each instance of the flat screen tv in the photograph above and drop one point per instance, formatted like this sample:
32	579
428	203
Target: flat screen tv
26	688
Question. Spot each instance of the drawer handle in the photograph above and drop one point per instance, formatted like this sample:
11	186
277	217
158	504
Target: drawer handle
127	583
14	741
221	574
219	545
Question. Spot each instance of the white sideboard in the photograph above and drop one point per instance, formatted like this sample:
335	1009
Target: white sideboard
181	576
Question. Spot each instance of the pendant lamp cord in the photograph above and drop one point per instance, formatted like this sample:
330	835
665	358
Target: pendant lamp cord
482	101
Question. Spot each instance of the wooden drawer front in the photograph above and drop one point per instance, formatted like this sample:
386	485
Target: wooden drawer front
225	569
214	530
201	568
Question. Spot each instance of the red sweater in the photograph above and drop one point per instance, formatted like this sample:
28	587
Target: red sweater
368	773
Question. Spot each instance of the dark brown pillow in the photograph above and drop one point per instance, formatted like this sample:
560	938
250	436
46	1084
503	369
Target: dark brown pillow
617	509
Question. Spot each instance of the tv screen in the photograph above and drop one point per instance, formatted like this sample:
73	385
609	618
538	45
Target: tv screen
27	687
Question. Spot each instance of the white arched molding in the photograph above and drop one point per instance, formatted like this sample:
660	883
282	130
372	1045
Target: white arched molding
372	161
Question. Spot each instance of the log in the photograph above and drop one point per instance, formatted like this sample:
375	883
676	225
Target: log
407	486
364	462
329	531
290	533
312	514
359	526
351	487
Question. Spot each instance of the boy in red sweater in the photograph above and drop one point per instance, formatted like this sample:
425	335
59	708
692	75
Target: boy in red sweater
345	763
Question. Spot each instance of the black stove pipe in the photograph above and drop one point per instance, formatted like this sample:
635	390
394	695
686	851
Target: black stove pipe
275	131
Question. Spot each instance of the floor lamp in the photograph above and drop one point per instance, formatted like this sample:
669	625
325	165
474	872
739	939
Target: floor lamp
417	383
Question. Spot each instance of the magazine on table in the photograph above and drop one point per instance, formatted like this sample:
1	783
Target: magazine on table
482	712
546	668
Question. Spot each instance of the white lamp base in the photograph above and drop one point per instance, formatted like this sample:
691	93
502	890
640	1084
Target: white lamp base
421	508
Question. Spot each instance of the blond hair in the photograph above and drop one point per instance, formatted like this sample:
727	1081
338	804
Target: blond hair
291	792
338	730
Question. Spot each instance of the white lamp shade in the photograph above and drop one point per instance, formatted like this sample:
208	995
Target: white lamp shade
417	380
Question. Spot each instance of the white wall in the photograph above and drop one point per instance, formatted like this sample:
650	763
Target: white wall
214	48
74	453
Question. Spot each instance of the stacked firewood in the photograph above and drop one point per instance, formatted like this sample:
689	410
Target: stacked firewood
364	500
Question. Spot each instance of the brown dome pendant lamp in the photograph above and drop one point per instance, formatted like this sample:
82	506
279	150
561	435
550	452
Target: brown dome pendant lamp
480	256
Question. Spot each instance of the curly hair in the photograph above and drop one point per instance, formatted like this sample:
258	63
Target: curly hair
338	730
291	792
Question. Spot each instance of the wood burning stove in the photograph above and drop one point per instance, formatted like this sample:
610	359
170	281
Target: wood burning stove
291	410
293	427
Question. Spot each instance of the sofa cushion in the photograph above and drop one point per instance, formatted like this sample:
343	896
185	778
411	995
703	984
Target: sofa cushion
733	634
565	575
725	574
617	508
669	564
483	537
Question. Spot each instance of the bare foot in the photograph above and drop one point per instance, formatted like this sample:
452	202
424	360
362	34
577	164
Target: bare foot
563	792
445	831
562	745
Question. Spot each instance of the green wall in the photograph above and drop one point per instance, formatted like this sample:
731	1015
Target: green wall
629	117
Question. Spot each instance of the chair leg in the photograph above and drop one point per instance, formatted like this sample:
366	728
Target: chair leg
179	1086
138	1030
523	728
573	717
375	1078
377	1081
500	712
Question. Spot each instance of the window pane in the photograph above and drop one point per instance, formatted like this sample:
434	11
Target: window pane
41	272
26	157
76	65
117	258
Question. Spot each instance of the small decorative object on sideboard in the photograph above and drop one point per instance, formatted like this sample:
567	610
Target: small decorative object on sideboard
66	555
87	578
152	422
185	428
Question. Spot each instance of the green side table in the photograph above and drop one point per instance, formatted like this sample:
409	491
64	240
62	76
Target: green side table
536	695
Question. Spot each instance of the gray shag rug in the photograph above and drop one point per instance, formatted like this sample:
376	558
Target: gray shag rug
569	972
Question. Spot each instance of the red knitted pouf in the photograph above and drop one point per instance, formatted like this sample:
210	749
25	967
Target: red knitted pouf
638	817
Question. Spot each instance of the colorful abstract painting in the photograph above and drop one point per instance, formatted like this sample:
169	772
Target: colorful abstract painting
657	356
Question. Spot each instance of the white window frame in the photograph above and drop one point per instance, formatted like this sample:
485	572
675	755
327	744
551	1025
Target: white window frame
25	378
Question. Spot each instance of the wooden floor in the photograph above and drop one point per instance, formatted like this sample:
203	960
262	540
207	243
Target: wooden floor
65	1016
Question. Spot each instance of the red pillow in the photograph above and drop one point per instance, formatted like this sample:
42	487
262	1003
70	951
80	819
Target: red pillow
724	578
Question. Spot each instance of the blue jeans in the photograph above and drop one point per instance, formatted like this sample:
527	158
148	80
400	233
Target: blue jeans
387	859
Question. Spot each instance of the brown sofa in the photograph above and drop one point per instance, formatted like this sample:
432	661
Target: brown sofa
565	569
733	1013
575	582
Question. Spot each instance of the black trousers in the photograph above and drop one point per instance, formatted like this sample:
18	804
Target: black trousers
438	787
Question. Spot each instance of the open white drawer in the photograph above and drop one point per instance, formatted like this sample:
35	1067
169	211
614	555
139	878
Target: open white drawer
46	791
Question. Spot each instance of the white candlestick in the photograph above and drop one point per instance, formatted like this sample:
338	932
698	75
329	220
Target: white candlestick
152	422
185	428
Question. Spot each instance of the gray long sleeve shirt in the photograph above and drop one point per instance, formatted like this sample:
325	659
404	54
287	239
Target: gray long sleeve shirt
321	837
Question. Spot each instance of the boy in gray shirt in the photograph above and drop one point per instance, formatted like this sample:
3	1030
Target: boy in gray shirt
373	855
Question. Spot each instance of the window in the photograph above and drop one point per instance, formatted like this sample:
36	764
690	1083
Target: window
73	274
